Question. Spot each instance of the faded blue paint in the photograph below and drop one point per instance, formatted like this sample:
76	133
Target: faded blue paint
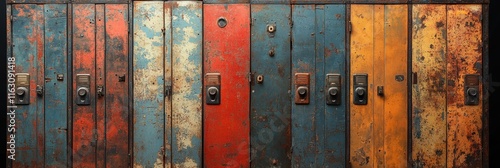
304	129
167	76
335	62
148	116
56	113
23	31
318	48
270	1
270	137
187	84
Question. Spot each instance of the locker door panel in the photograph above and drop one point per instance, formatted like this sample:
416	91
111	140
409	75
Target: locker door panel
149	117
56	85
464	57
100	83
187	83
429	89
116	90
84	123
270	95
379	50
28	50
227	51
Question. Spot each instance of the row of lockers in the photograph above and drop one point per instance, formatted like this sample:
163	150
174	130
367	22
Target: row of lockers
186	84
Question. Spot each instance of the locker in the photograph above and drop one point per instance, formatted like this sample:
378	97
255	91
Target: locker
318	53
378	94
38	41
226	86
167	84
100	85
447	91
270	107
225	1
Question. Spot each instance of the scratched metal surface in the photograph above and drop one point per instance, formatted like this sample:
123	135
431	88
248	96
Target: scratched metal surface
429	89
187	83
319	48
227	51
56	95
270	100
464	56
149	117
28	49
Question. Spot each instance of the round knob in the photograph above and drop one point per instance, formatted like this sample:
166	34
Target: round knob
333	91
82	92
472	91
21	91
271	29
212	91
360	91
302	91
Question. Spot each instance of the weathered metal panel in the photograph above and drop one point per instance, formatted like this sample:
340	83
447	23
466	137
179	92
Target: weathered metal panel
270	98
84	53
168	83
305	119
225	1
10	128
28	49
361	61
316	1
56	95
377	1
36	1
116	89
335	62
464	56
270	1
100	1
379	129
429	89
395	116
486	85
148	115
187	83
227	51
100	82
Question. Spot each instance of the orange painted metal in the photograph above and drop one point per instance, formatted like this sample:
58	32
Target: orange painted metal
227	51
378	135
464	56
100	82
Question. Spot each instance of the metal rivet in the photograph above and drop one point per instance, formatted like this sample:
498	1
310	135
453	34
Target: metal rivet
260	79
222	22
271	28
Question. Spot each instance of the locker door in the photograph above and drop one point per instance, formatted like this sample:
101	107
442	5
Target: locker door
378	94
270	84
100	87
226	86
318	50
167	84
451	67
39	46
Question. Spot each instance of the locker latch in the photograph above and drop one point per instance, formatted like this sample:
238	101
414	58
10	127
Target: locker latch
333	94
22	89
83	89
213	88
471	89
360	89
302	88
100	90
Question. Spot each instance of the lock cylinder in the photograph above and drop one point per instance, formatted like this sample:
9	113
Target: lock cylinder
333	96
360	85
213	84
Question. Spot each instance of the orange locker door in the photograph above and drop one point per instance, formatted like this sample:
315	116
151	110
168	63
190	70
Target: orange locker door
378	92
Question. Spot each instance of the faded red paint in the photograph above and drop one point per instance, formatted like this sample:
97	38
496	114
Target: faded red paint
117	116
100	81
84	63
227	51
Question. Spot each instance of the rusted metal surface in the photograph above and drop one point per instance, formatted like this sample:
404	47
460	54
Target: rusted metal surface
100	1
227	51
486	85
316	1
270	1
464	56
148	116
28	49
378	130
116	89
100	78
186	83
377	1
84	53
224	1
429	86
270	87
449	1
318	49
168	84
56	88
36	1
